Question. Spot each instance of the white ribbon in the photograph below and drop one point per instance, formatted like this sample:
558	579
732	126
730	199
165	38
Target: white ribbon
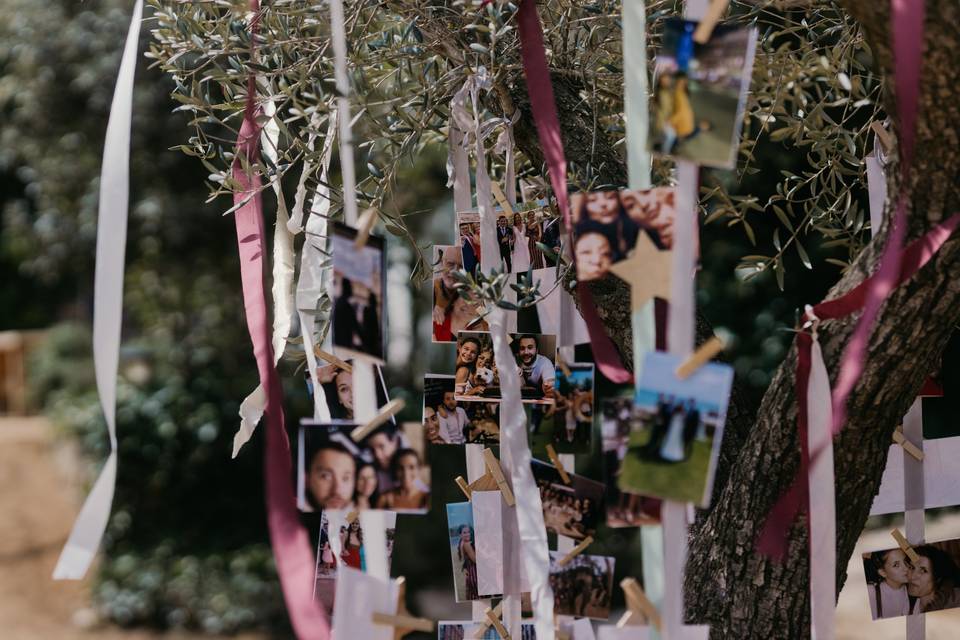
339	42
635	89
913	492
89	526
876	189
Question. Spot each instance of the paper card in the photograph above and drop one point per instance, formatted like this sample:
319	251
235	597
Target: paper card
477	373
448	421
387	470
519	235
676	429
580	629
898	586
358	597
699	92
358	288
489	533
546	315
583	587
467	630
573	510
452	312
337	387
607	225
941	478
612	632
463	550
343	549
624	509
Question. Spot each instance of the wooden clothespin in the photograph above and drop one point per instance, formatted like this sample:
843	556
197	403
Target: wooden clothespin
386	412
904	545
493	468
352	516
563	367
700	357
483	624
638	605
555	459
332	359
364	227
501	198
402	622
577	550
494	619
883	136
709	21
908	446
464	487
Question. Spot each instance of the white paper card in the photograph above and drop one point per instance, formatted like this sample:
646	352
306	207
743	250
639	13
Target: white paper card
359	596
489	534
941	478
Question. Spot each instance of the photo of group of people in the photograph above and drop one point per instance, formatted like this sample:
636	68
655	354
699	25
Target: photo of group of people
518	237
359	284
676	428
583	587
468	630
346	549
387	470
336	384
452	312
699	92
477	376
899	586
446	421
624	509
571	510
606	225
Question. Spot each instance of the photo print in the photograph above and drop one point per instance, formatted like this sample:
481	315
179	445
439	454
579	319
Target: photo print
606	225
573	409
583	587
573	510
337	387
463	550
477	375
519	236
452	312
468	226
387	470
898	586
699	92
448	421
624	509
345	549
359	284
468	630
676	428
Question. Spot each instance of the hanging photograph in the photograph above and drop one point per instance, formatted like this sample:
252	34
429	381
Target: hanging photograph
676	429
452	312
387	470
469	630
448	421
606	225
624	509
468	226
699	92
477	375
463	550
899	586
583	587
519	234
573	510
359	284
337	387
343	549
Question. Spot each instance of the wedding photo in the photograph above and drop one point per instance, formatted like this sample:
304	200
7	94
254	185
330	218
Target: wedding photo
624	509
468	224
448	421
676	429
387	470
699	92
583	587
359	285
477	375
573	510
899	586
452	312
606	225
518	237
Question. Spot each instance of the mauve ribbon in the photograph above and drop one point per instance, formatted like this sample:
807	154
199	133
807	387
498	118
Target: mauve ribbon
544	108
291	546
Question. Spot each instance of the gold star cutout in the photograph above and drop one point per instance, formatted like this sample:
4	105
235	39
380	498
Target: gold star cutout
647	272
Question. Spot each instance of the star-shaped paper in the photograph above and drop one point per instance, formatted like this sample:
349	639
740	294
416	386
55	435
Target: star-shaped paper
647	272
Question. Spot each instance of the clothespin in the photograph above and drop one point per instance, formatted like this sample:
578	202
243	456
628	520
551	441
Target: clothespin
563	367
493	468
402	622
555	459
364	226
700	357
352	516
637	604
332	359
501	199
386	412
904	545
883	136
577	550
709	21
494	619
464	487
908	446
486	622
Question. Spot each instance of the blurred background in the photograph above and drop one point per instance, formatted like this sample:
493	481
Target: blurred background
187	551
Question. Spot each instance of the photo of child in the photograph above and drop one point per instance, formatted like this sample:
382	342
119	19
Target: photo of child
899	586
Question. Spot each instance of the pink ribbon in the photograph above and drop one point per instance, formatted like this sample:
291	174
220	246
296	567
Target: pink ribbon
291	545
544	108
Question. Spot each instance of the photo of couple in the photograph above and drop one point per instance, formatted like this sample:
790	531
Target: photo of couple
452	312
898	586
676	428
387	470
477	375
518	235
699	92
359	284
583	587
606	225
445	421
